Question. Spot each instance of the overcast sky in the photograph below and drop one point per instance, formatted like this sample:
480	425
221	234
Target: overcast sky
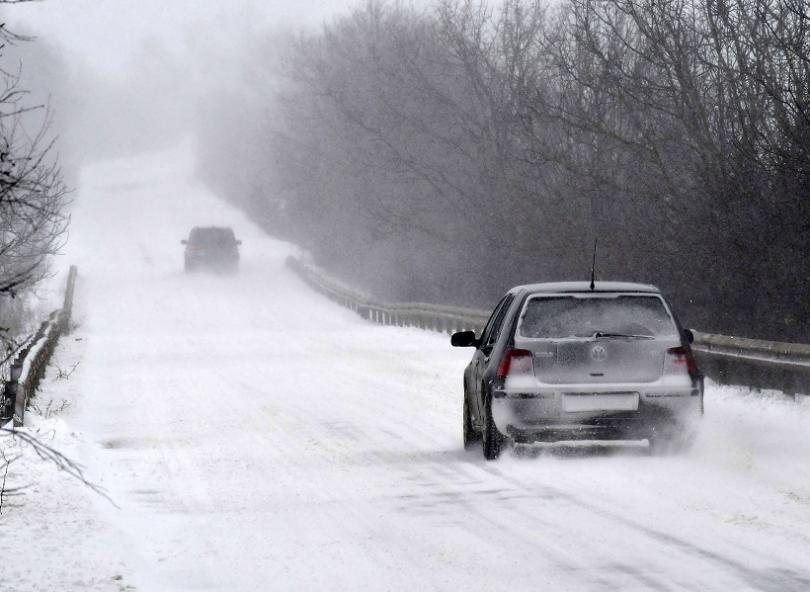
107	32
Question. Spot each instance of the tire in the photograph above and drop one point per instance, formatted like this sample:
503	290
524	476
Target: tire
471	437
492	439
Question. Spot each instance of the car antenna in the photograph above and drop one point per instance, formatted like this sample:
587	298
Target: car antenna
593	266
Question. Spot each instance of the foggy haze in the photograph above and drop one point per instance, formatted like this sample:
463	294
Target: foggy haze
106	33
131	74
391	295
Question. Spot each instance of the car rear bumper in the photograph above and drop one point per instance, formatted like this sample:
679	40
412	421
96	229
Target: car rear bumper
208	262
631	411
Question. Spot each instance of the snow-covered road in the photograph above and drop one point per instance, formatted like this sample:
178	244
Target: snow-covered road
256	436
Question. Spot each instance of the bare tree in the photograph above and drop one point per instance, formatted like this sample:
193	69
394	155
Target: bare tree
33	220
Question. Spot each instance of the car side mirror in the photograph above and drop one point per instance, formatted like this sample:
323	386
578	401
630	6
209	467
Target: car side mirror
464	339
183	242
689	336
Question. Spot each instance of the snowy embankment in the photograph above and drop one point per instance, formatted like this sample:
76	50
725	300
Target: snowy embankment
255	436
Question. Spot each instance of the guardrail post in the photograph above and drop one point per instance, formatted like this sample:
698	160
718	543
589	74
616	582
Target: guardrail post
9	403
16	393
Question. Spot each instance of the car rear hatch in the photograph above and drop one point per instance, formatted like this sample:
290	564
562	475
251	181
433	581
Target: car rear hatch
598	360
592	338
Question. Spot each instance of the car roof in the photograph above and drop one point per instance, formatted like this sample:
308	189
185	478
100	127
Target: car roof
580	287
211	232
212	229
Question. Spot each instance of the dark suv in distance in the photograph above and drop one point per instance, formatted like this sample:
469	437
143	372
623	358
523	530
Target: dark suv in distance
563	361
211	247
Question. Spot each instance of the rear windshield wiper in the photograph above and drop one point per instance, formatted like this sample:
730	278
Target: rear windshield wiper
599	334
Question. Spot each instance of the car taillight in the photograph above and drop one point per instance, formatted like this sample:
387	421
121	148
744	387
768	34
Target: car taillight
682	356
516	362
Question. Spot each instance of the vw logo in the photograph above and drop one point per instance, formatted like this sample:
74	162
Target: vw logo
599	353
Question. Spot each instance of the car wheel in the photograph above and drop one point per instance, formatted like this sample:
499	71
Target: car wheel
491	438
471	437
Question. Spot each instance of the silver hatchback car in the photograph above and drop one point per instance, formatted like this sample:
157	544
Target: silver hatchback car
563	361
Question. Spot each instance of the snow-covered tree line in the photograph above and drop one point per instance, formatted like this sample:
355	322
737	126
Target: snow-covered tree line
449	153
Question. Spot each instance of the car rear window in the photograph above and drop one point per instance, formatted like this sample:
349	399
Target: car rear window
560	317
212	236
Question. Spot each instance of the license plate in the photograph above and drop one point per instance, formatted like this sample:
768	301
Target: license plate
574	402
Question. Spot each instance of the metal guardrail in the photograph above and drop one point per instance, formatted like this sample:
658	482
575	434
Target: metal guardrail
29	366
435	317
724	359
754	363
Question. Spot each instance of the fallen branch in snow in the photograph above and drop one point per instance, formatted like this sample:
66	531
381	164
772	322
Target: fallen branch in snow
51	455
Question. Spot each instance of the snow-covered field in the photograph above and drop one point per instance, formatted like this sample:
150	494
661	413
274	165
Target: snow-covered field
254	436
